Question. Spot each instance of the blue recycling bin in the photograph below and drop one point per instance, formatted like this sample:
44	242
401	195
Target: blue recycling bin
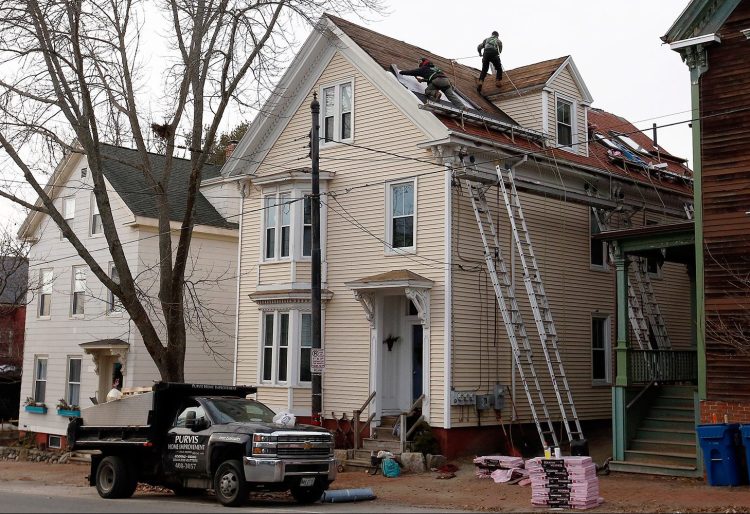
719	443
745	434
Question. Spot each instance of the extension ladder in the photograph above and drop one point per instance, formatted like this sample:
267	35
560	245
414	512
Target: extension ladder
650	305
506	301
545	324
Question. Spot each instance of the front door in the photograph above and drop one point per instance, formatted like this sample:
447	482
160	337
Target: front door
416	361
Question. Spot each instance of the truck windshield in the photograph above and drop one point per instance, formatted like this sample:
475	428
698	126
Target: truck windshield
238	410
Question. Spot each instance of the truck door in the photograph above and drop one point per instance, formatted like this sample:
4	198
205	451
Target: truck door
187	440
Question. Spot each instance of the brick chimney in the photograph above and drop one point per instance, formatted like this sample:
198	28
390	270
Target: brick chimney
229	150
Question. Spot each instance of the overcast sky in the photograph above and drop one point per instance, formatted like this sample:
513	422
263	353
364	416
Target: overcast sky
614	44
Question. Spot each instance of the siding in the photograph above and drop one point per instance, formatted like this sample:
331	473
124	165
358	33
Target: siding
565	86
525	110
726	196
59	336
346	331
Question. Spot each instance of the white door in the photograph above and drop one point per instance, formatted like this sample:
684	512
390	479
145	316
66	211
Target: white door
395	357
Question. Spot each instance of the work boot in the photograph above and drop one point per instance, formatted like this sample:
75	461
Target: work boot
498	83
479	86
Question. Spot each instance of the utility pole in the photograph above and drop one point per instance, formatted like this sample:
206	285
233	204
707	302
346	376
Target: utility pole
317	382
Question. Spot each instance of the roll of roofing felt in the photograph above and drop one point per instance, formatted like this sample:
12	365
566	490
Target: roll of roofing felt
348	495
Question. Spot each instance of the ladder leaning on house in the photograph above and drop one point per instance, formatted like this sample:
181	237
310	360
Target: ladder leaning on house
511	313
643	309
540	308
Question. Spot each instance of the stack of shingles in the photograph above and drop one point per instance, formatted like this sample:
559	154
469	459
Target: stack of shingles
570	482
484	466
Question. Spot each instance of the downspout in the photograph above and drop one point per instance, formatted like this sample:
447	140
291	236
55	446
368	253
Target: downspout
241	186
448	316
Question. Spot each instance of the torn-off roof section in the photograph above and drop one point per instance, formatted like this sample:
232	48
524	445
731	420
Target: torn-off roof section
700	18
527	79
387	51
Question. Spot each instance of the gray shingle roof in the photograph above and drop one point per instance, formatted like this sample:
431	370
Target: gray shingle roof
131	185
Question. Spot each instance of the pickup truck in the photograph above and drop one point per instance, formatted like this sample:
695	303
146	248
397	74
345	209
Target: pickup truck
194	437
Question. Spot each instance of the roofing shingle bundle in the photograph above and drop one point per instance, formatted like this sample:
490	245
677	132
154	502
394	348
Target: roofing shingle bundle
569	482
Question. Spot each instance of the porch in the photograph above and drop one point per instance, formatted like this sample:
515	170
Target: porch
654	396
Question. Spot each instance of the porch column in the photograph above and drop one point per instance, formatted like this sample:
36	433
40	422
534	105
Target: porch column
420	296
619	434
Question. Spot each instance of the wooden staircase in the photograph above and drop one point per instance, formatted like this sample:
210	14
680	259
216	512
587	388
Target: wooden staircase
665	440
382	438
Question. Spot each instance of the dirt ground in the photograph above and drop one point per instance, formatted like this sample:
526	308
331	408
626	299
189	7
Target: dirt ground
621	492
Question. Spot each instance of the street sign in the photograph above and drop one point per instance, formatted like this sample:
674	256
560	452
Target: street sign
318	360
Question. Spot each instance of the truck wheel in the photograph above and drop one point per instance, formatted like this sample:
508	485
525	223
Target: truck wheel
114	479
229	484
307	495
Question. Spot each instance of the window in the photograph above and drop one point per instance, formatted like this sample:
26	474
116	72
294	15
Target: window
40	378
275	347
285	220
305	348
113	303
54	441
96	218
269	205
200	415
337	109
600	349
278	225
69	207
78	299
597	249
45	292
286	347
401	211
564	123
307	227
74	381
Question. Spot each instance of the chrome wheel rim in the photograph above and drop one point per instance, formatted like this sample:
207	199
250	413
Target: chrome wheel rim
106	478
228	484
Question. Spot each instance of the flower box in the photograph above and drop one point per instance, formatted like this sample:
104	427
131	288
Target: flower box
36	409
70	413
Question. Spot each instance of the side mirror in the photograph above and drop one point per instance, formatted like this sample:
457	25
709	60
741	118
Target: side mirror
190	419
200	424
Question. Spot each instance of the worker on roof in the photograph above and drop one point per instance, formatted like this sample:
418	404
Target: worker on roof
489	50
437	81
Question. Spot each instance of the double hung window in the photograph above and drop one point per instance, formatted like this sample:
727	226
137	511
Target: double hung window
45	292
337	110
564	123
600	349
96	218
286	347
597	249
278	225
401	210
40	379
78	298
113	303
73	394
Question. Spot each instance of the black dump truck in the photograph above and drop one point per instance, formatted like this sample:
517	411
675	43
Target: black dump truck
193	437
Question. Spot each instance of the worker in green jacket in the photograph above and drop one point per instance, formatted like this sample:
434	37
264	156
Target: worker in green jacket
489	50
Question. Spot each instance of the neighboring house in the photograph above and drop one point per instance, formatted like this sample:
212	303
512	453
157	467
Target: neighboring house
13	297
78	337
713	38
408	307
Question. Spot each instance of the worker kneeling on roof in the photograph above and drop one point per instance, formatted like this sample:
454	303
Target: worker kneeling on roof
437	81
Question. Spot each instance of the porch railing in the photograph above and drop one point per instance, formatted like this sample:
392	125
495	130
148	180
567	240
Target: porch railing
403	433
663	366
357	429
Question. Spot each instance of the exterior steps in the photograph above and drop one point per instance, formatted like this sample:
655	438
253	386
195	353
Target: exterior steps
664	442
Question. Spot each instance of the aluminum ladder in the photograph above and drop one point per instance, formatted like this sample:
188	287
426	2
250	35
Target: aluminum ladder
506	301
635	312
650	305
545	324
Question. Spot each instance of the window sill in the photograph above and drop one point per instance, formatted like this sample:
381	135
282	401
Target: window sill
389	252
570	149
44	317
77	316
283	260
114	314
97	235
333	144
601	383
601	269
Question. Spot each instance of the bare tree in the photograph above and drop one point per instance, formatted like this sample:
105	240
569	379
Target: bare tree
75	70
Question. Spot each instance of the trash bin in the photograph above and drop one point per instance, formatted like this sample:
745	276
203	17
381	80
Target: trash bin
745	434
719	444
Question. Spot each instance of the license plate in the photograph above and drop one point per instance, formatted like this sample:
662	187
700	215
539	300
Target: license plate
307	482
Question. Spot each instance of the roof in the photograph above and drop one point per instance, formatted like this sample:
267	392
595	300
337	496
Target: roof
394	278
121	170
14	277
387	51
700	18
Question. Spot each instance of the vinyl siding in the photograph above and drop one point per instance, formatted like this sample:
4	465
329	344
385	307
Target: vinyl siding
525	110
351	252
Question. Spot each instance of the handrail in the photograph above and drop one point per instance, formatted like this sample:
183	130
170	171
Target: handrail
355	418
641	393
417	403
403	434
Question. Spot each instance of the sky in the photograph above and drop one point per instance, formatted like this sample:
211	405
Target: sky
615	45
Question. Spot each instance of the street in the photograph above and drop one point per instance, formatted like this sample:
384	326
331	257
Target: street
19	496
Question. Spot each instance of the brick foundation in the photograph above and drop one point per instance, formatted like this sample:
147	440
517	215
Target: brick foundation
713	411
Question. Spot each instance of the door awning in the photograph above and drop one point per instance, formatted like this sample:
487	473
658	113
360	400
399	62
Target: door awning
391	279
106	347
415	287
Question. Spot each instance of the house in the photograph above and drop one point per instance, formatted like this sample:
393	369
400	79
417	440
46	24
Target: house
77	335
410	314
13	295
713	38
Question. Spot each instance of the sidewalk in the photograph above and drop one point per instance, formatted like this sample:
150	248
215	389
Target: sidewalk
621	492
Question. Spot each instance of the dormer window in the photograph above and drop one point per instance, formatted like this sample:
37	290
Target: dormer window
565	116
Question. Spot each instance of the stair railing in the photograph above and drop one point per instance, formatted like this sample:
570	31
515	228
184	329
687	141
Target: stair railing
355	417
403	433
